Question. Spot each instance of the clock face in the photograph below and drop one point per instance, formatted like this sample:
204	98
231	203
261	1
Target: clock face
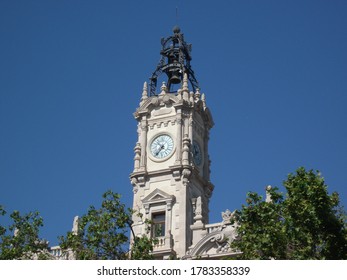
162	146
197	155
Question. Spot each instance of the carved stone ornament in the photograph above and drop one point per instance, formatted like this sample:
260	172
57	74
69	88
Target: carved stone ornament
198	207
166	99
186	173
214	243
226	216
155	101
176	174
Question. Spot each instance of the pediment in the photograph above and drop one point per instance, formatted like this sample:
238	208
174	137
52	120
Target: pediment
157	101
157	196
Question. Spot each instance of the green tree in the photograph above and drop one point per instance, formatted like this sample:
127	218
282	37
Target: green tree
103	234
307	223
20	240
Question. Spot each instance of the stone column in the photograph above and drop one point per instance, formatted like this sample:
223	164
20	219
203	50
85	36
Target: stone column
168	218
143	143
186	145
190	128
206	156
179	137
137	156
168	236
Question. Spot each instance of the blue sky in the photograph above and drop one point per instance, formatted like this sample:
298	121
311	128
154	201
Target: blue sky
71	75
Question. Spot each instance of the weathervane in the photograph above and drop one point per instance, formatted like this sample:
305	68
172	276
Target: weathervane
174	62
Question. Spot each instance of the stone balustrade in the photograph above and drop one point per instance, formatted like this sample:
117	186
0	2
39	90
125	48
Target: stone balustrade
213	227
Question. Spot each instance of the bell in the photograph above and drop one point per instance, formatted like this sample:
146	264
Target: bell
175	78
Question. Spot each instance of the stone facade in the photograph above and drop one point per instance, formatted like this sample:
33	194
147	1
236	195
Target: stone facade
177	185
171	176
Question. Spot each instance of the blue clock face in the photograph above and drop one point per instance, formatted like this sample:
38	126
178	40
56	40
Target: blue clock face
197	155
162	146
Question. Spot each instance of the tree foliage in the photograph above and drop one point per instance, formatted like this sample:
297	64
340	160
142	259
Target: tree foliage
307	223
20	240
103	233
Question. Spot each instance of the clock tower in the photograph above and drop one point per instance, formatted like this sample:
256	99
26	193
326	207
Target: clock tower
171	176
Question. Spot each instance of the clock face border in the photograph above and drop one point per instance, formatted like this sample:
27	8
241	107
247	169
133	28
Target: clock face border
199	151
154	138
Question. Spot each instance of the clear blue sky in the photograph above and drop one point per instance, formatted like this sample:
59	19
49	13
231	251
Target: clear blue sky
71	75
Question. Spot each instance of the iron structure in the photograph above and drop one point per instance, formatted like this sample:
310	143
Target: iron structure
174	62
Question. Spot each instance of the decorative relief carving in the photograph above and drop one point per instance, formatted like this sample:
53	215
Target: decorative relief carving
166	99
158	123
217	241
155	101
176	174
133	181
138	181
179	120
162	111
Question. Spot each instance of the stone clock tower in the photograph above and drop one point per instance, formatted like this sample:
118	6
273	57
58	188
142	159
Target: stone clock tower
171	177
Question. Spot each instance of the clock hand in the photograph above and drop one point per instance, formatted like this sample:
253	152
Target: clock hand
161	147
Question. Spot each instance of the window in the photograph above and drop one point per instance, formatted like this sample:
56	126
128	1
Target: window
158	224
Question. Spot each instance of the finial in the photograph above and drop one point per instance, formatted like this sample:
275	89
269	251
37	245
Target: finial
197	94
185	88
176	29
185	82
268	195
191	97
163	89
203	99
179	93
75	225
144	90
144	93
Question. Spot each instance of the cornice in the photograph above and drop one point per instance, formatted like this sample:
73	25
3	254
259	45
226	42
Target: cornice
156	101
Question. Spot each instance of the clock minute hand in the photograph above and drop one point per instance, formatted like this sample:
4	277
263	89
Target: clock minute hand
161	147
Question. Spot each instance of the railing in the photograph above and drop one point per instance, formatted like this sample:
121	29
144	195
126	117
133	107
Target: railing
57	253
161	242
213	227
